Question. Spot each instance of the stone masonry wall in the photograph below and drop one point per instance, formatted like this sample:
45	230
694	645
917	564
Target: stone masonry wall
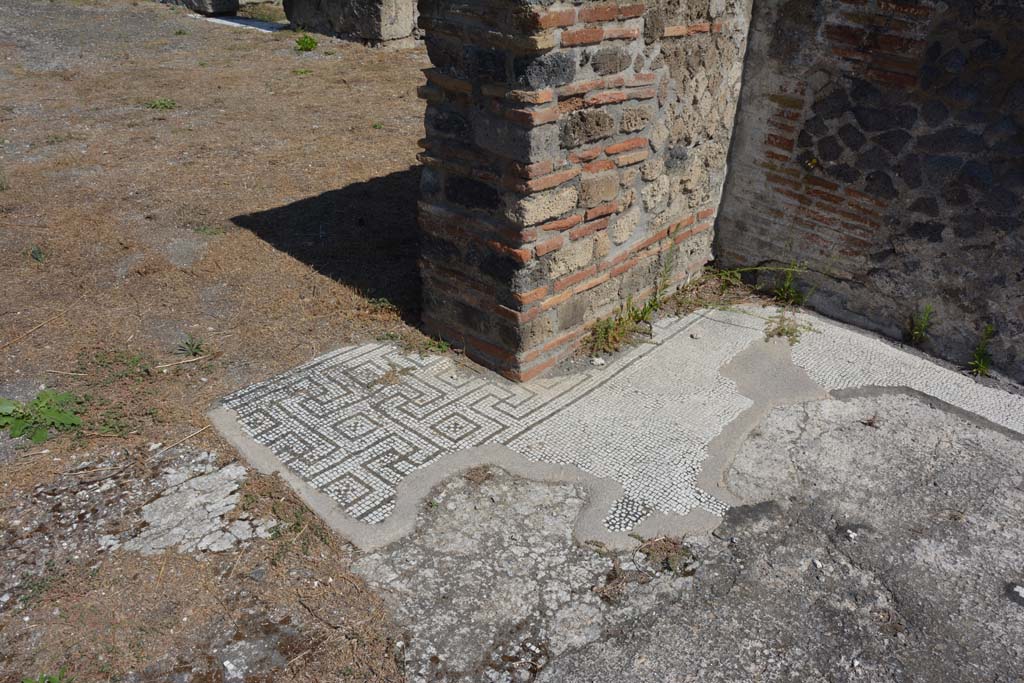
881	145
574	153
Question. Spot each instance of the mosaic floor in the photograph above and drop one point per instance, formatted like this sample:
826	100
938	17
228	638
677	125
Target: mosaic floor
355	422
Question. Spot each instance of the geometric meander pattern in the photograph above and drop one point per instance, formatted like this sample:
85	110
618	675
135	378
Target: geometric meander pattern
353	423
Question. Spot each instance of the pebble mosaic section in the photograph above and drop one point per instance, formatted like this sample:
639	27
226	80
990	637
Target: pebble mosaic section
354	422
840	358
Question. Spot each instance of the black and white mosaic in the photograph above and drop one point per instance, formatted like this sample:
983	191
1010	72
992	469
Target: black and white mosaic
355	422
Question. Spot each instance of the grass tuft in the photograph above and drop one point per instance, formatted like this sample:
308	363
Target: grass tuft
305	43
920	321
981	360
161	104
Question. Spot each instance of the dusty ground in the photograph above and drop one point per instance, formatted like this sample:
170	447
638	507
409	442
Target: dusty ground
270	214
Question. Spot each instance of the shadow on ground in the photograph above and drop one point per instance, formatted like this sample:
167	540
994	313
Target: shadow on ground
363	235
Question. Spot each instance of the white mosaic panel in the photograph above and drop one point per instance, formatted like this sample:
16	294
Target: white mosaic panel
649	426
840	358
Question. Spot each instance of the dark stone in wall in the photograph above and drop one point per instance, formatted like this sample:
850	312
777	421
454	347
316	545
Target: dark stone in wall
544	71
942	154
471	193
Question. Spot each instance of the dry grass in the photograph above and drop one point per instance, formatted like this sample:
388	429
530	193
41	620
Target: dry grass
141	213
269	214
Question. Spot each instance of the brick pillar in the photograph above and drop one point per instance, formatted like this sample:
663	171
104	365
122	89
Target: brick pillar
545	199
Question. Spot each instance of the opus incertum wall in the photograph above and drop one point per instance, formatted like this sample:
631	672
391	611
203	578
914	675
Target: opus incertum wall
574	152
880	144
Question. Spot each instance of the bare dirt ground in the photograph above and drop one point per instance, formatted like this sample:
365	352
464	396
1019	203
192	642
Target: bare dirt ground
169	178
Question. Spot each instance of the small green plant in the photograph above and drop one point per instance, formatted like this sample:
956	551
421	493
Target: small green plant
302	72
330	52
204	64
161	104
920	321
377	125
48	410
191	347
437	346
37	254
785	324
305	43
3	180
787	292
61	677
181	32
209	230
981	360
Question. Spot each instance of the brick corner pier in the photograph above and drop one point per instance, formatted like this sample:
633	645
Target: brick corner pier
573	159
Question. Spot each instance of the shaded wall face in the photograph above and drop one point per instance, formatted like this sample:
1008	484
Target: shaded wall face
880	144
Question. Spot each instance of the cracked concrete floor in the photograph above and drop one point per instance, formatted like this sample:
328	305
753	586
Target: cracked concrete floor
879	539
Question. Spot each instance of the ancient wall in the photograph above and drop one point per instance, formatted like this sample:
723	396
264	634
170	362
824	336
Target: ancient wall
880	144
574	157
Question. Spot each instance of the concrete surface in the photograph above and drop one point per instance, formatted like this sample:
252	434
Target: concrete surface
879	538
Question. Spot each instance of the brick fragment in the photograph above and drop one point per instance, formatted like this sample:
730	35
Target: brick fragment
627	145
583	36
594	13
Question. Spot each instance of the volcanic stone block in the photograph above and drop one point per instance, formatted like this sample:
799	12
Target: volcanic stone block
371	20
209	7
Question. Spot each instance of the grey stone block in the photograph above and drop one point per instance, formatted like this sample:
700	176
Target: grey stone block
208	6
372	20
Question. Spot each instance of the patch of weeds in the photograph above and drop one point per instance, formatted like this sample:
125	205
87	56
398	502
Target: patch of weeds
181	32
49	410
3	180
981	360
37	254
34	587
611	334
302	72
209	230
436	345
377	125
60	677
114	422
161	104
917	332
388	336
786	291
382	305
432	504
785	324
204	64
191	347
329	52
296	525
117	365
305	43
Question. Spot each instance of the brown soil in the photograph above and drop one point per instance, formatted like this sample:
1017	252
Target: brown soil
178	178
